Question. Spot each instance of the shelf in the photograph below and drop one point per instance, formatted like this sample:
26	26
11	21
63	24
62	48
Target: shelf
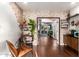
64	24
72	16
26	34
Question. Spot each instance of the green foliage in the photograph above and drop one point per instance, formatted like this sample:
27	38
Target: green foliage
50	33
32	24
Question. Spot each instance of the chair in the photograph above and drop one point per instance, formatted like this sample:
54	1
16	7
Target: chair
18	52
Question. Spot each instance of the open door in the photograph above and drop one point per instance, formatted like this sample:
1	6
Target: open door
49	26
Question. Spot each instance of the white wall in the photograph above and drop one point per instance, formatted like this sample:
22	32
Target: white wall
55	25
74	11
9	29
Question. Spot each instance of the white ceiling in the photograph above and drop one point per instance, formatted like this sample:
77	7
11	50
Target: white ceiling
63	6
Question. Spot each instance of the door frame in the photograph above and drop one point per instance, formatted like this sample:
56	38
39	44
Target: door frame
38	18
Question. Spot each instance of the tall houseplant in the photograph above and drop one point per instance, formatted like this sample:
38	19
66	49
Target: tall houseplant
32	25
50	32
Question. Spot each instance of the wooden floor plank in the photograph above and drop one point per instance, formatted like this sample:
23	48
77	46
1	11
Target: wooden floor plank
49	48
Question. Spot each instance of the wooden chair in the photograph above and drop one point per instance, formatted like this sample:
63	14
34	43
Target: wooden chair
18	52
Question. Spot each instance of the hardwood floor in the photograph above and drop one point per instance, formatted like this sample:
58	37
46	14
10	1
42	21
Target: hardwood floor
49	48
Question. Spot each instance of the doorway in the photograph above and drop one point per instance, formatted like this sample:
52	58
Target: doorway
49	27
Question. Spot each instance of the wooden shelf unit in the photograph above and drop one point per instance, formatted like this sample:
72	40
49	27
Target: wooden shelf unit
26	37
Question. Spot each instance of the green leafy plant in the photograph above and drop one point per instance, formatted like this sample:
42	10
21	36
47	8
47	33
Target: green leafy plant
50	32
32	25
